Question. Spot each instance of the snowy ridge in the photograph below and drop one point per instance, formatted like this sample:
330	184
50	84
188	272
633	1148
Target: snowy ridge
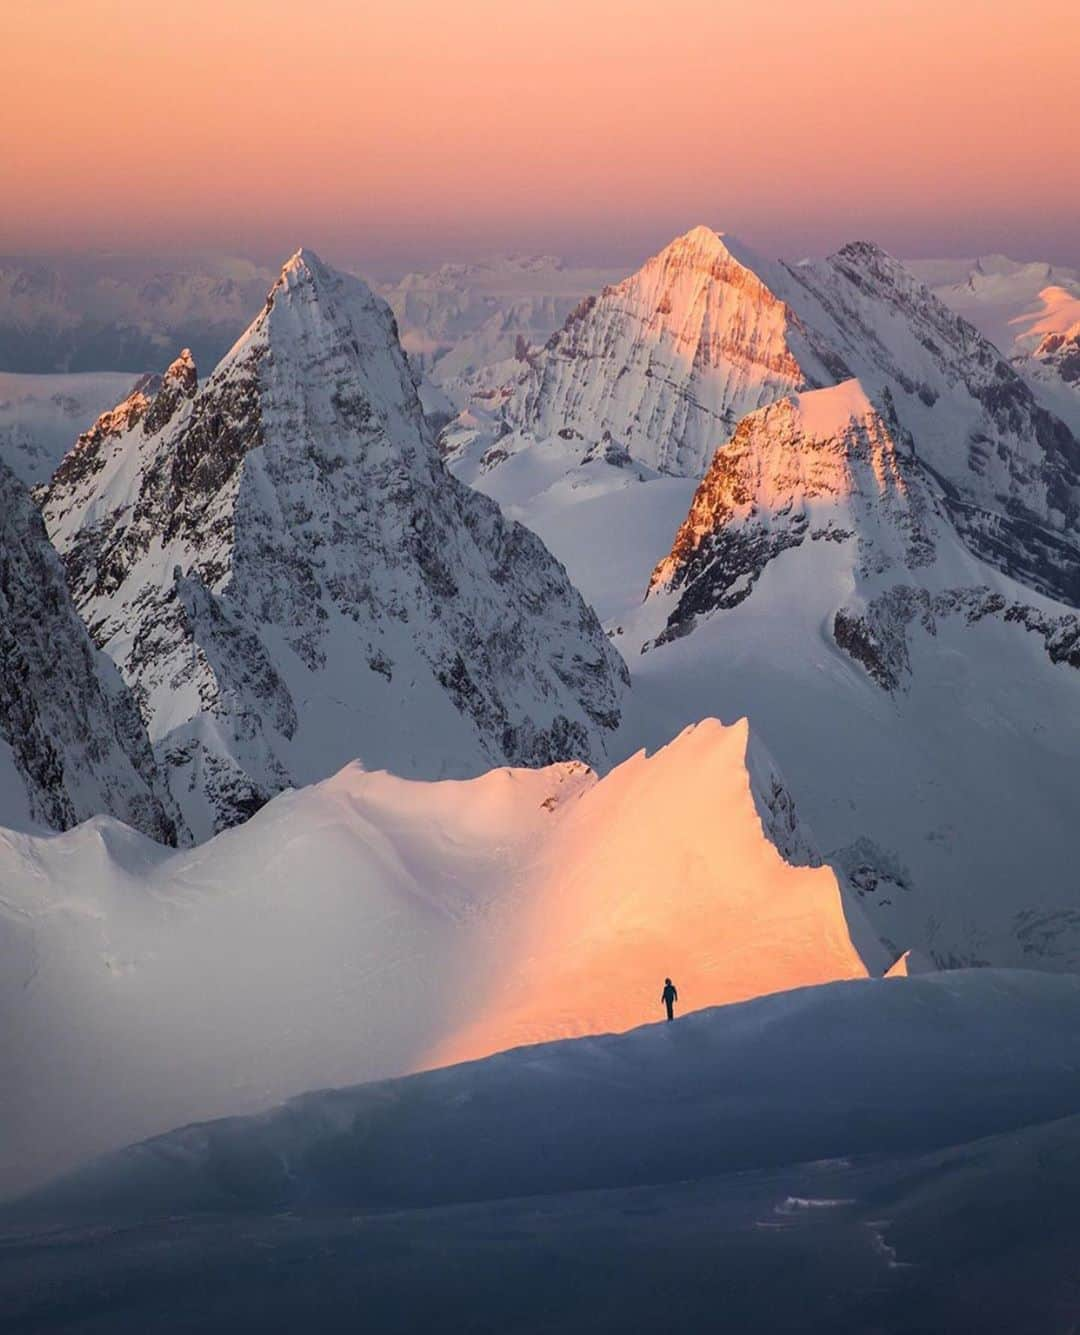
813	467
288	578
71	741
924	1062
1012	303
369	926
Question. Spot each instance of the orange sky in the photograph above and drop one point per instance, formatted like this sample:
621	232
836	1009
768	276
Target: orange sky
388	127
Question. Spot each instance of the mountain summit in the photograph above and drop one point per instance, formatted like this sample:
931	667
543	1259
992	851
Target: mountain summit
288	578
667	361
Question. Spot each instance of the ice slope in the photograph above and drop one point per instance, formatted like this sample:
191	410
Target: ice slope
370	926
288	578
921	705
40	415
71	740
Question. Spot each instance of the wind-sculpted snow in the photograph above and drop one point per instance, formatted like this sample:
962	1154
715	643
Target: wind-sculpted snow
288	578
883	1066
71	741
370	926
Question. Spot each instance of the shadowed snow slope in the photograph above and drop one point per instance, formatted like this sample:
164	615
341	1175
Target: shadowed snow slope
874	1066
370	926
71	740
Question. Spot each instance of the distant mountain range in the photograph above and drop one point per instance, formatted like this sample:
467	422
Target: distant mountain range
811	494
122	313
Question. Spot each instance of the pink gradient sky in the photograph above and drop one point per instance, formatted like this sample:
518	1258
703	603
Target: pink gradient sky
413	129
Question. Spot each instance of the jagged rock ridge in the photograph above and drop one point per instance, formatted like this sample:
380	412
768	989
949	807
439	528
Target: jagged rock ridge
288	578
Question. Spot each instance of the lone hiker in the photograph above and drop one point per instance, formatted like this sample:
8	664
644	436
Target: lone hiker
669	997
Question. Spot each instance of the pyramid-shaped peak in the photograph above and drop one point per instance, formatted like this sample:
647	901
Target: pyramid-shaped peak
706	245
867	253
304	261
305	274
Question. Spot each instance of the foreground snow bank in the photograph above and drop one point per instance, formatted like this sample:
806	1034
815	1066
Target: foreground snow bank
849	1068
369	926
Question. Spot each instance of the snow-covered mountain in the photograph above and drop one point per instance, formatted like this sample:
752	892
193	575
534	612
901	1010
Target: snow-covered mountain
664	363
369	925
1060	352
880	573
662	367
288	578
1030	311
922	703
1009	469
71	740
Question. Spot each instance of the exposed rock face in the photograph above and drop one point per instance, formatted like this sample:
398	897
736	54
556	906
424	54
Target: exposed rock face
922	700
1061	352
70	730
820	467
1008	469
667	361
288	578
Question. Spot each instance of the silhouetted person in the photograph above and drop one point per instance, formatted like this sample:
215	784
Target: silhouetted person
669	997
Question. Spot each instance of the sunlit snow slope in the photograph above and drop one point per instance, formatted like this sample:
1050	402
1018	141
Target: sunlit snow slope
370	926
